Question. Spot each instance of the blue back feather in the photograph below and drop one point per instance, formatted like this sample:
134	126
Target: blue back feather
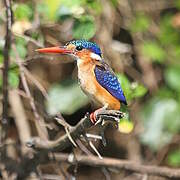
110	82
87	45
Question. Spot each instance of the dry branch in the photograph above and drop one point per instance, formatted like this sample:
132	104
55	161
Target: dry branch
63	142
75	132
42	131
117	163
21	120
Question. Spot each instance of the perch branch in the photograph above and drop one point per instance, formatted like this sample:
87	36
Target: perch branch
117	164
75	132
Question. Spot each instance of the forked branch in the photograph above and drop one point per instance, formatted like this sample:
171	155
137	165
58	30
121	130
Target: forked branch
75	132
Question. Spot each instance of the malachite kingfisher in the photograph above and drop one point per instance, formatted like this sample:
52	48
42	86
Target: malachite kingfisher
96	78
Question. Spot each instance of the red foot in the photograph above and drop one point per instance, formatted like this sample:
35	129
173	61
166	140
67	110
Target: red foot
93	114
93	117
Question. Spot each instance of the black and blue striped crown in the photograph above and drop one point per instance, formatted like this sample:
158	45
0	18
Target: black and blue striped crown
87	45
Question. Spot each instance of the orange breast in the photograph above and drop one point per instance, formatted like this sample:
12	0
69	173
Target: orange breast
92	88
104	97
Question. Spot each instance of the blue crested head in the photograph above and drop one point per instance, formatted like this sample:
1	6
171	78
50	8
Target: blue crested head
84	44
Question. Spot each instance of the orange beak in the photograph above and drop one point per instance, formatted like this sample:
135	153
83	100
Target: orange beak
57	49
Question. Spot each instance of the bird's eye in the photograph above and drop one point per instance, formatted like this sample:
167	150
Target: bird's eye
79	48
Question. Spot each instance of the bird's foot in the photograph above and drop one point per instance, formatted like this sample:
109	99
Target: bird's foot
93	116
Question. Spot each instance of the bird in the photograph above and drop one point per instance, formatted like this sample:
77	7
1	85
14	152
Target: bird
96	78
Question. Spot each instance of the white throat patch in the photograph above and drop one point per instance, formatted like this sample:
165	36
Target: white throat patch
95	56
79	61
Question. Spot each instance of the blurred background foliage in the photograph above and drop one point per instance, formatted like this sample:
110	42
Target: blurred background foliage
141	41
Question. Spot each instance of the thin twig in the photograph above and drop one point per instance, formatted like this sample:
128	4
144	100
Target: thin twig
92	146
36	82
42	131
29	39
94	136
83	148
95	150
66	126
6	66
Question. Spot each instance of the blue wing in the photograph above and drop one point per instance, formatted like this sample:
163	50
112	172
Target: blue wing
109	81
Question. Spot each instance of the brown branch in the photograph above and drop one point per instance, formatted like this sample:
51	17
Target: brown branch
75	132
21	120
63	142
116	163
6	65
42	131
35	82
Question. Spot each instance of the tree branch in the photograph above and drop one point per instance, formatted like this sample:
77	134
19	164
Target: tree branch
75	132
42	131
116	163
21	120
6	65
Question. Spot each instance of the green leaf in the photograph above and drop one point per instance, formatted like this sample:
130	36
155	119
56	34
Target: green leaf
23	11
140	24
43	10
59	9
174	158
20	47
177	3
131	90
52	7
22	51
63	13
73	3
71	8
84	28
95	6
168	35
138	90
154	51
172	75
1	81
174	117
1	58
115	3
165	92
66	99
176	52
13	79
78	8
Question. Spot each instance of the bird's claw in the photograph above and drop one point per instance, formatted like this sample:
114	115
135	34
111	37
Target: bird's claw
96	118
93	118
